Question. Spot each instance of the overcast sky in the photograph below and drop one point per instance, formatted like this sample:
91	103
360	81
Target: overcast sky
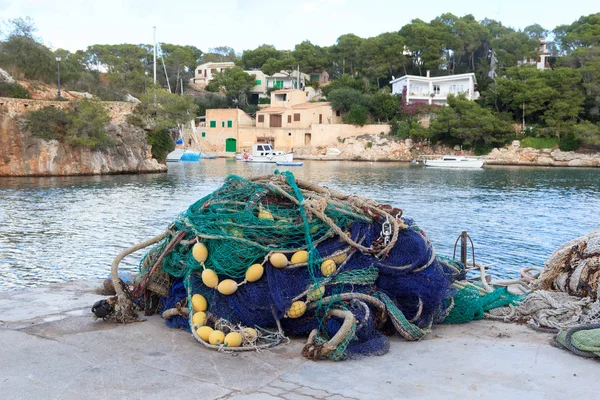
245	24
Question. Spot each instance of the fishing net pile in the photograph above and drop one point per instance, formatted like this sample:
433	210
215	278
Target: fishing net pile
265	258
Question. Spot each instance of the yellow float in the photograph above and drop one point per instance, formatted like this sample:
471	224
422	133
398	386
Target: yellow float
328	267
316	293
254	273
296	310
300	257
216	338
250	334
227	287
233	339
199	303
204	332
279	260
199	252
264	214
339	259
199	318
210	278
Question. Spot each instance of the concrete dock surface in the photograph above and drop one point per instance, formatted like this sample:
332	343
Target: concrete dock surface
52	348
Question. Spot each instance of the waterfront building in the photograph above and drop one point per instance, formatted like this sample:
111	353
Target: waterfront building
434	90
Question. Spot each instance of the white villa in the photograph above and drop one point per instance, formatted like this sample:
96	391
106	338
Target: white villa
541	62
424	89
203	74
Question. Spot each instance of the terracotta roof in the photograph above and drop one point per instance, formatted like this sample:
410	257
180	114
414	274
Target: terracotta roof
303	106
272	110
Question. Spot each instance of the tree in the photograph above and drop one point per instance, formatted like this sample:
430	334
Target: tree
357	115
536	31
310	57
219	54
468	122
384	107
345	52
234	83
254	59
181	62
343	99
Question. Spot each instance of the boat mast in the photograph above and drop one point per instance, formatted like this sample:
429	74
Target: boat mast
154	48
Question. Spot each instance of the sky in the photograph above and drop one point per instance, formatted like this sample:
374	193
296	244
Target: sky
246	24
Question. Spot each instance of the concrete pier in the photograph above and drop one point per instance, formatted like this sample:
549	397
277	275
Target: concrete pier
51	348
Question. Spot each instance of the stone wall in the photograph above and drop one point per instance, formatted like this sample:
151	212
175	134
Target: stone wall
24	155
515	155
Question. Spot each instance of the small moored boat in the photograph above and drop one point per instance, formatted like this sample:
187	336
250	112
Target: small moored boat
264	153
455	162
290	164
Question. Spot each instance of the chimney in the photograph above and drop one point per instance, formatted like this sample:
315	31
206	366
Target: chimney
428	73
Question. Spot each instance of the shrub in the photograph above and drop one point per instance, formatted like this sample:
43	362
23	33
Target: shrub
539	142
357	115
13	90
569	142
89	120
162	143
48	123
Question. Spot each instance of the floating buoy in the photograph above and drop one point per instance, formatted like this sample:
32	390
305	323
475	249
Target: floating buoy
328	267
296	310
250	334
314	229
216	338
339	259
200	252
199	318
199	303
279	260
233	339
254	273
300	257
227	287
210	278
264	214
204	332
316	293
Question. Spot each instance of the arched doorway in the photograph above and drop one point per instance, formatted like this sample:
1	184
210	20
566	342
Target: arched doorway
230	145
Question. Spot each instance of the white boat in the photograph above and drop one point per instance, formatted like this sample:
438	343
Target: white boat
264	153
455	162
289	164
175	155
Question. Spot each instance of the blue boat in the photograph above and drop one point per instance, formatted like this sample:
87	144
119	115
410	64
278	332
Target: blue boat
190	156
290	164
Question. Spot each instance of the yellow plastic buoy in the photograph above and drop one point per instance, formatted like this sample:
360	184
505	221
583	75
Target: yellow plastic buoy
204	332
279	260
200	252
339	259
296	310
216	338
233	339
254	273
236	232
314	229
264	214
316	293
199	318
250	334
328	267
210	278
300	257
199	303
227	287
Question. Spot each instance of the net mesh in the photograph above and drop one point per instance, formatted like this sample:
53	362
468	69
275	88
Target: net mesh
386	278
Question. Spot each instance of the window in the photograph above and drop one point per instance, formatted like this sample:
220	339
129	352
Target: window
230	124
212	70
314	78
203	134
213	124
290	134
222	124
436	89
259	148
261	118
258	82
199	72
289	119
337	113
278	84
296	117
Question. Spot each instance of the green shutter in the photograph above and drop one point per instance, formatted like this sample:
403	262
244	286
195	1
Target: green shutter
222	124
258	82
203	134
213	124
230	124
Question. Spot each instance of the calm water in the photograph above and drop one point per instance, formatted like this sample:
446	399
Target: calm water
67	228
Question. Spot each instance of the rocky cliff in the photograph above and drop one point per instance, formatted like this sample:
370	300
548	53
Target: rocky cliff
515	155
24	155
